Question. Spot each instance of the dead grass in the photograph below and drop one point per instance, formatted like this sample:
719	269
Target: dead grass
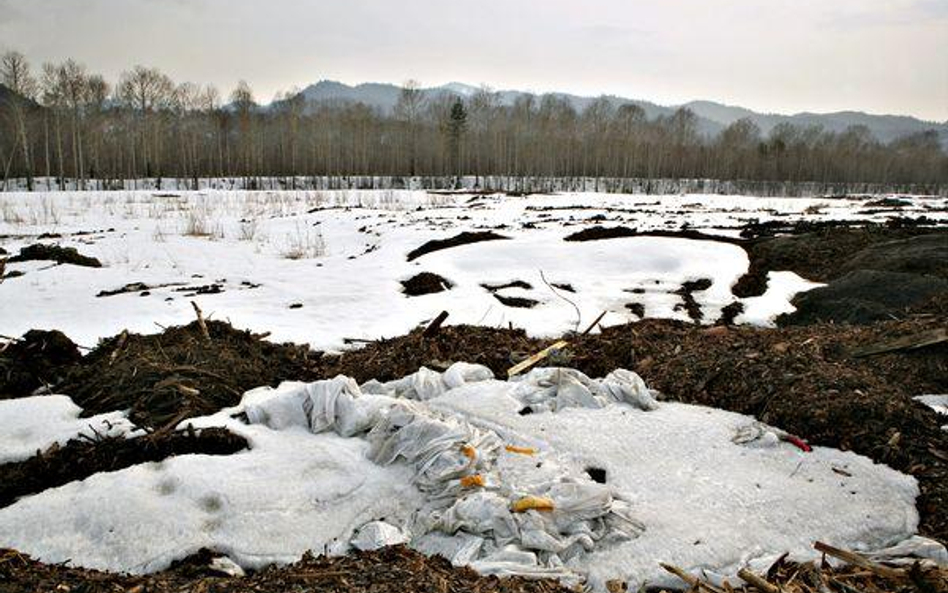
304	243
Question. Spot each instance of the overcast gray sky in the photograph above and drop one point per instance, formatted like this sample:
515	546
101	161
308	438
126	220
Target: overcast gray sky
882	56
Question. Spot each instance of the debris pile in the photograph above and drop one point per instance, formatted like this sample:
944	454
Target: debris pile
182	372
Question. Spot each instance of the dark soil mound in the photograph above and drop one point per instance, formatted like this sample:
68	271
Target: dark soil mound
863	297
888	203
389	570
39	358
465	238
425	283
924	254
599	233
820	255
79	459
56	253
516	302
512	284
178	374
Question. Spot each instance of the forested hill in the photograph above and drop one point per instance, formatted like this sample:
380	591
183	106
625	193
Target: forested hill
712	117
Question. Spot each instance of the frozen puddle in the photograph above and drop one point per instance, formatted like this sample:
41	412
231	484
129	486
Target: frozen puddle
678	487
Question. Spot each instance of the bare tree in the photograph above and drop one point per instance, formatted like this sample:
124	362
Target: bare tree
408	110
15	75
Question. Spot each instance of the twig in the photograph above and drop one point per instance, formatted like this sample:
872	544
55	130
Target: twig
200	319
579	315
694	582
594	323
757	581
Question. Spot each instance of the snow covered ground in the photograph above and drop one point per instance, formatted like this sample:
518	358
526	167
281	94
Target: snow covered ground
338	258
35	423
704	501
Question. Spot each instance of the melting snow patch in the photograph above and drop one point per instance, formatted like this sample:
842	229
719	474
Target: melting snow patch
781	288
33	424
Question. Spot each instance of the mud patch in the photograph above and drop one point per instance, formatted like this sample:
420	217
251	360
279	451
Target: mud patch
465	238
425	283
689	304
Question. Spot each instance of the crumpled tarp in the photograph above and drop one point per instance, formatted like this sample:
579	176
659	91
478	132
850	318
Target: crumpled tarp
498	522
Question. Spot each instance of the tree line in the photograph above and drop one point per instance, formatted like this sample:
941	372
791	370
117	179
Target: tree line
62	121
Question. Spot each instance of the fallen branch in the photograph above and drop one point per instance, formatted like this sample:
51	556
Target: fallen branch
529	362
200	320
860	561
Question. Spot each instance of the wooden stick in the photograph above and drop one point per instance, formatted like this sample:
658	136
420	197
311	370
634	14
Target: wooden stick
757	581
524	365
860	561
435	326
694	582
201	324
594	323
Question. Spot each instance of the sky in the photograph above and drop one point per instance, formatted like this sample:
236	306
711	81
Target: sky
782	56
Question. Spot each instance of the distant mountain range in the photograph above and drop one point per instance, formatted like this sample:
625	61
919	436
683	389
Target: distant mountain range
712	117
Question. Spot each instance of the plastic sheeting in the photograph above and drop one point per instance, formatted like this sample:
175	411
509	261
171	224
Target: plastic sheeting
503	520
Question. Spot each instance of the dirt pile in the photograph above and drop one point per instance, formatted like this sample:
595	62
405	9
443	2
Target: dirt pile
425	283
873	273
178	373
865	296
465	238
56	253
38	358
389	570
80	458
